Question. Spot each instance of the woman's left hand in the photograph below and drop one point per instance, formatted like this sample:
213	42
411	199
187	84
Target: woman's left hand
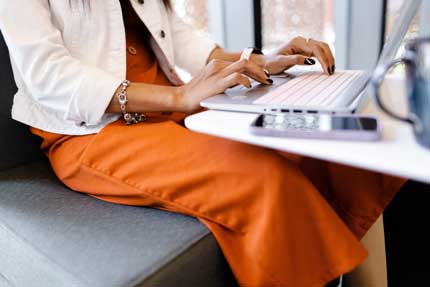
298	51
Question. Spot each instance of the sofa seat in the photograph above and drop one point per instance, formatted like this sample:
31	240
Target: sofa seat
52	236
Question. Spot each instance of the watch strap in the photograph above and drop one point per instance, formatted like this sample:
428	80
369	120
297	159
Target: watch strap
247	52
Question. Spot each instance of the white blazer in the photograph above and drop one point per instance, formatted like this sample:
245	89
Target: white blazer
68	59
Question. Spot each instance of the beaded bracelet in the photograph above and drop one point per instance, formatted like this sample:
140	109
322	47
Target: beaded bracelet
129	118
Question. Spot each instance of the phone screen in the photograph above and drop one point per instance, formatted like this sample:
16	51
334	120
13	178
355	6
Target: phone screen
308	122
353	123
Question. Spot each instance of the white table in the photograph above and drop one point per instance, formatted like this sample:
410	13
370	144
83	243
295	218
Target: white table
397	154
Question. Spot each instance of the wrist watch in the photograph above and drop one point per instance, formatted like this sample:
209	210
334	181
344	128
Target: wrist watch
247	52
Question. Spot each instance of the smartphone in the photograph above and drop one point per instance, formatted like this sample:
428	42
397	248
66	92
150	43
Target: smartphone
318	126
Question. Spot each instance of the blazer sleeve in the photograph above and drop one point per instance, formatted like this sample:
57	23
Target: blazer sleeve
53	77
191	48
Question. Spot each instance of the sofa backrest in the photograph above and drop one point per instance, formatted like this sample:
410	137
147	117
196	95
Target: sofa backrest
17	144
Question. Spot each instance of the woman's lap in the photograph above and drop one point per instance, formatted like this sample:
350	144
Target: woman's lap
164	163
245	194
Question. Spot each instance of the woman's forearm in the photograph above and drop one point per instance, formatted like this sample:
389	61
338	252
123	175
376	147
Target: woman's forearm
221	54
153	98
148	98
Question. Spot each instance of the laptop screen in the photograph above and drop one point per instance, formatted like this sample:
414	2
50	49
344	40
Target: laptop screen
399	30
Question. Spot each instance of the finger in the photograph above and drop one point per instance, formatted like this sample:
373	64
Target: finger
249	68
215	66
290	61
329	54
235	79
257	73
199	76
306	46
319	53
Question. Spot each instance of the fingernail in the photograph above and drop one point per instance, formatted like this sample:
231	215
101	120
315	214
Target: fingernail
270	81
310	61
267	73
333	68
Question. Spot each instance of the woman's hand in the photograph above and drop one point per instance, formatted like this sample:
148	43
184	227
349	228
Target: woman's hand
215	78
297	52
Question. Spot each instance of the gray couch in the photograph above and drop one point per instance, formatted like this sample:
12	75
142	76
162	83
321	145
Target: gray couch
52	236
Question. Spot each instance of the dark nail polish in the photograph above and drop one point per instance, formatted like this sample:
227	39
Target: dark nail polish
267	74
310	61
270	81
333	68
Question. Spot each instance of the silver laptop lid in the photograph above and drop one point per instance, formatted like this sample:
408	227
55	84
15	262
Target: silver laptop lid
393	42
400	29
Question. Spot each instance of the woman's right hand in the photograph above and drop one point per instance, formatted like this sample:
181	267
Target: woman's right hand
215	78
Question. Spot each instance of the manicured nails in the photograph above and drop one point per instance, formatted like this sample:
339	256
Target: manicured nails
331	69
310	61
269	80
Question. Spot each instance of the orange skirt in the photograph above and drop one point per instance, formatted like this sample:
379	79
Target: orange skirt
280	220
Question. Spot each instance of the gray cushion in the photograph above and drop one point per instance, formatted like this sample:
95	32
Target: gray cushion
17	145
51	236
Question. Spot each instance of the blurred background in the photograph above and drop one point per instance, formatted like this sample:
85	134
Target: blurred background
355	29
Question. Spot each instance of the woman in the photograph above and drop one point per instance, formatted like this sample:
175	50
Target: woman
280	220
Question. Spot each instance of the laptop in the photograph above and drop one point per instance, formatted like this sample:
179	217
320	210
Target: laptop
301	90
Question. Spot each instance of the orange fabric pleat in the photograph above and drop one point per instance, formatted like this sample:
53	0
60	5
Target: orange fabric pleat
280	220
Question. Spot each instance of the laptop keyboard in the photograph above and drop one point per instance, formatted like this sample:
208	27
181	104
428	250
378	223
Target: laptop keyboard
311	89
